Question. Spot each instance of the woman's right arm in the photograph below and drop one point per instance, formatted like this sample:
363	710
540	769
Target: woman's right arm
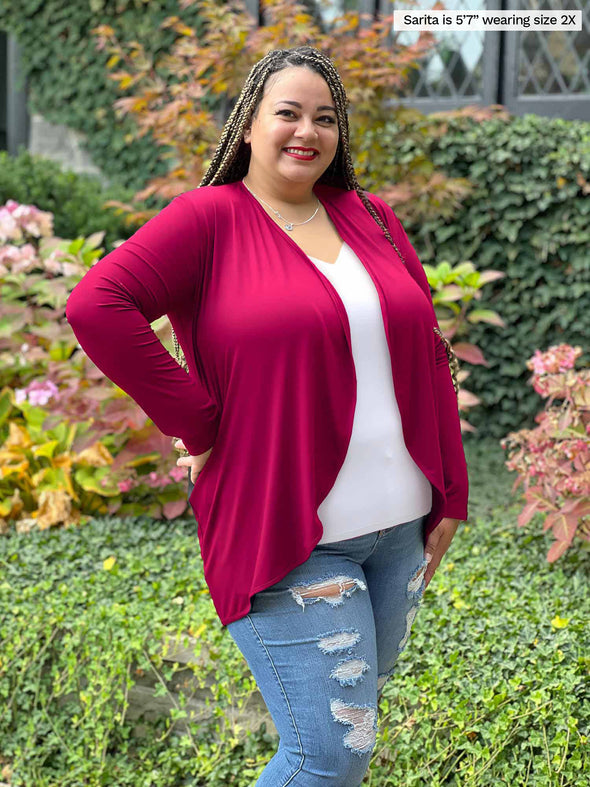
157	271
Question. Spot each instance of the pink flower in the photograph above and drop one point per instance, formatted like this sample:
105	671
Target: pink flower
9	229
157	481
17	220
19	259
177	473
37	393
558	358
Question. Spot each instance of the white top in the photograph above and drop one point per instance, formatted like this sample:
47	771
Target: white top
379	484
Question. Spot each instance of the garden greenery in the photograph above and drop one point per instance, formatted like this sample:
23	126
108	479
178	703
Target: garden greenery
66	76
492	689
527	215
71	443
76	200
553	459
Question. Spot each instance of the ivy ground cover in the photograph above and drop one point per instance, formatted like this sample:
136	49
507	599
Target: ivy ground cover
493	688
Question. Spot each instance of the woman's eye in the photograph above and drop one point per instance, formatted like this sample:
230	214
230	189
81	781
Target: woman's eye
323	119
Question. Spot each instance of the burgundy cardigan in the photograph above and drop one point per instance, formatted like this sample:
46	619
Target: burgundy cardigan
272	384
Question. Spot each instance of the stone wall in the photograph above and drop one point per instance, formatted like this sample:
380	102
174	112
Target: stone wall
61	144
145	706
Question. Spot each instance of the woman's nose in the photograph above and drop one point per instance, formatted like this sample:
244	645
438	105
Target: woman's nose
306	129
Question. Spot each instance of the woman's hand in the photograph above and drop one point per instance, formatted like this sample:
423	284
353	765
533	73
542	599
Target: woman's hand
194	463
437	544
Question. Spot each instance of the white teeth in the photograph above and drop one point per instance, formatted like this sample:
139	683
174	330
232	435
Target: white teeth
300	152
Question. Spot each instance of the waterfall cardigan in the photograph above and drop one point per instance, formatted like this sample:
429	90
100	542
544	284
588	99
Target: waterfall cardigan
272	385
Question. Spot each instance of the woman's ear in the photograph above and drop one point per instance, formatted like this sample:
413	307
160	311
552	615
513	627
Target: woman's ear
247	135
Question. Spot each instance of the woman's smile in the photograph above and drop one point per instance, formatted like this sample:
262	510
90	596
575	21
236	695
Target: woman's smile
303	154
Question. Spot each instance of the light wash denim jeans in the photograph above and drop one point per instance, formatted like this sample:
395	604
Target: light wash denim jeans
321	644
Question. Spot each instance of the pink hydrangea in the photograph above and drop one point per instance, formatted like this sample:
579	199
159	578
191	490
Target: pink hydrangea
18	259
37	393
558	358
16	220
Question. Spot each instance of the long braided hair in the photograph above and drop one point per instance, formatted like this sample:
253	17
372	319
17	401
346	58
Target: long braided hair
231	159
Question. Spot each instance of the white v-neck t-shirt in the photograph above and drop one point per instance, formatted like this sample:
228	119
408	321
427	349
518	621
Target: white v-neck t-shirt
379	484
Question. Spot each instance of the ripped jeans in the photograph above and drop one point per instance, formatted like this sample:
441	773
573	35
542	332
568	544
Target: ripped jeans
322	642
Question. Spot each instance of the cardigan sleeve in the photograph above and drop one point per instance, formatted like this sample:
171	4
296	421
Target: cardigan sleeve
156	271
449	425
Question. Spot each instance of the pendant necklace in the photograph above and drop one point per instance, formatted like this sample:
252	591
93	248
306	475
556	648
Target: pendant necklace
289	224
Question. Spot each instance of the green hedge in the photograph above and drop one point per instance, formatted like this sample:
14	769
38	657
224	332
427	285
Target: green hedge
75	199
491	689
529	216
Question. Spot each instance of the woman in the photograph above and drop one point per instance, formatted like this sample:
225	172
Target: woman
319	410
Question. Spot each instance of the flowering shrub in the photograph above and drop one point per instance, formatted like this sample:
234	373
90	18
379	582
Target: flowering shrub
182	95
455	291
553	460
72	444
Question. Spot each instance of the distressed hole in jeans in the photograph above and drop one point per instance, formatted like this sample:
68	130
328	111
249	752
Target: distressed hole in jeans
333	641
409	621
332	590
416	582
363	721
415	591
349	671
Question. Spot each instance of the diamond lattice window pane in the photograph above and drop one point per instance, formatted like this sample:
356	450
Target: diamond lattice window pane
454	66
557	61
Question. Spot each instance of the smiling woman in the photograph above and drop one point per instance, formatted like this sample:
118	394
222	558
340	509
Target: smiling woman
318	410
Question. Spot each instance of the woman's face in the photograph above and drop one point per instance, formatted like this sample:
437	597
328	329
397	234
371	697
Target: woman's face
296	111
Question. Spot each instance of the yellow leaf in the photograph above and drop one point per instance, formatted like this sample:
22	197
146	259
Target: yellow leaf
184	30
45	449
96	455
559	623
561	182
18	437
109	563
112	61
125	81
200	630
